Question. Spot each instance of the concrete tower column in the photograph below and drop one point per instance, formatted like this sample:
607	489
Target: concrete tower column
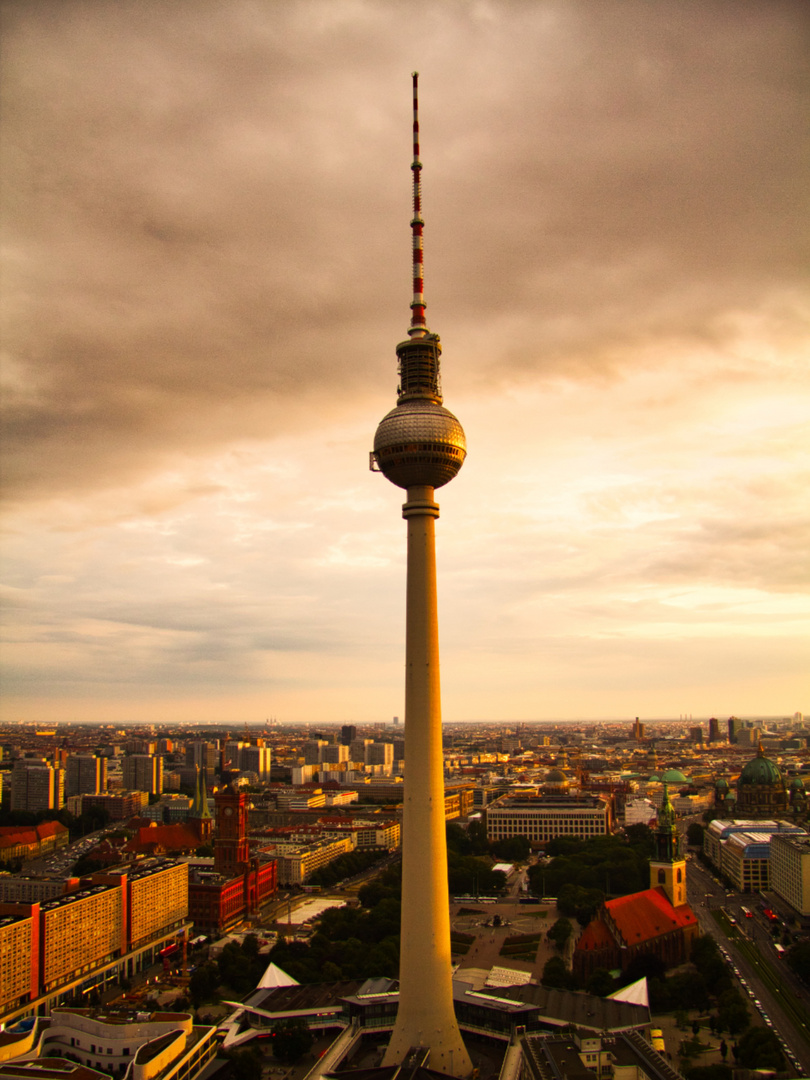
426	1016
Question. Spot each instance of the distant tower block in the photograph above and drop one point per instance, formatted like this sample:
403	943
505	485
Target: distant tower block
420	446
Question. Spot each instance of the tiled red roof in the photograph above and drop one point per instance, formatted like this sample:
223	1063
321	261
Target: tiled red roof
165	837
595	936
30	834
646	915
10	836
50	828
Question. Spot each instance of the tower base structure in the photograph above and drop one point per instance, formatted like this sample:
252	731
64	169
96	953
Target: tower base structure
426	1018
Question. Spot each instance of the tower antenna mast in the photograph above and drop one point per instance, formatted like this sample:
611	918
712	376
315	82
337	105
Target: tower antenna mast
418	325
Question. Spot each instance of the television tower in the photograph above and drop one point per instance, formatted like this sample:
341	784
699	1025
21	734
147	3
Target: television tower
420	446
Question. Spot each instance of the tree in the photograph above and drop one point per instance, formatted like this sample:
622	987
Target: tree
694	834
511	849
477	832
291	1039
707	1072
557	975
732	1012
759	1049
798	958
246	1063
560	932
600	983
643	966
458	839
203	984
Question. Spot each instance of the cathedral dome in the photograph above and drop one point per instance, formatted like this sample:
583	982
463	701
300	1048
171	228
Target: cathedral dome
761	770
761	790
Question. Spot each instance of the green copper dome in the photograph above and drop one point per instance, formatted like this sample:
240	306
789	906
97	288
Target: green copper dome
761	771
674	776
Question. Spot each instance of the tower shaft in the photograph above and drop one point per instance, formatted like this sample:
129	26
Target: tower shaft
426	1017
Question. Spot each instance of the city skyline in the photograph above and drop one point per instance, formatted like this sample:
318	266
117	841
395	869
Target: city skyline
202	291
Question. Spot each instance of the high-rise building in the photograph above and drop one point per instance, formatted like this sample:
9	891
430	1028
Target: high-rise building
256	759
333	755
714	730
313	751
381	753
203	754
36	785
638	730
85	774
143	772
420	446
348	733
734	726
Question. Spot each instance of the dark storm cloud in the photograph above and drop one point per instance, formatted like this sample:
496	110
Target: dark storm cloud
207	218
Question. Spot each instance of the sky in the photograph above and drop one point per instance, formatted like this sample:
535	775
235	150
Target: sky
206	269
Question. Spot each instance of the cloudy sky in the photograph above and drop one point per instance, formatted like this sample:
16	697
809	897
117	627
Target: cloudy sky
206	269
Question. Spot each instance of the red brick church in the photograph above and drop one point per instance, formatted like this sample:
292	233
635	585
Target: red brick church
656	922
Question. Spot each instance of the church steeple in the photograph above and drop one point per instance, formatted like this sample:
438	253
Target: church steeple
200	816
667	866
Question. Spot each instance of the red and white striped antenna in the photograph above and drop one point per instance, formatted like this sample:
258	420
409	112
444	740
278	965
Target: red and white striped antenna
418	324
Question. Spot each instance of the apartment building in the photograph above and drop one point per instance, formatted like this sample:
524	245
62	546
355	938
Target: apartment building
297	862
143	772
790	870
112	924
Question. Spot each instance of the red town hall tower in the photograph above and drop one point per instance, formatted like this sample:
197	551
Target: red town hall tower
239	884
231	850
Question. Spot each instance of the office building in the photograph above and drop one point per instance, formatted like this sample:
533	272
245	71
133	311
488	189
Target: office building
256	759
541	818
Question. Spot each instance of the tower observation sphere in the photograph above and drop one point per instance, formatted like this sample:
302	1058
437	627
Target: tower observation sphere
419	442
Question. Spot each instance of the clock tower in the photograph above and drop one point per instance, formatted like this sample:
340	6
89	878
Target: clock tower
231	851
668	866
